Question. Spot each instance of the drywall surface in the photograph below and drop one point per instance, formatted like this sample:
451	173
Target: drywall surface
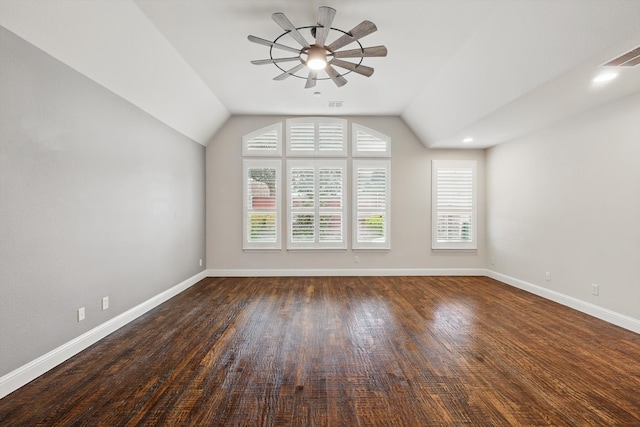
410	207
98	199
567	202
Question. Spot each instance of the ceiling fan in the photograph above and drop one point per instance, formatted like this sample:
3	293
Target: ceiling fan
320	56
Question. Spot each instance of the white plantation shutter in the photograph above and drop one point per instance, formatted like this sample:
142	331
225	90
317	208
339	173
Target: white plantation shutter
263	142
301	137
316	204
454	205
302	196
261	204
369	143
331	204
331	137
309	137
371	184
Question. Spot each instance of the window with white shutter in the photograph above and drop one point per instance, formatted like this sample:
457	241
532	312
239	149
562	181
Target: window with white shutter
316	204
263	142
454	224
316	137
261	204
371	208
369	143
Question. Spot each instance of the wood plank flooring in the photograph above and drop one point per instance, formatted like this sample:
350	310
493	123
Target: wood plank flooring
346	351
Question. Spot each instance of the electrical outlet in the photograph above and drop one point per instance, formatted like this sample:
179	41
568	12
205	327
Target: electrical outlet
105	303
493	260
200	262
80	314
355	259
595	289
547	276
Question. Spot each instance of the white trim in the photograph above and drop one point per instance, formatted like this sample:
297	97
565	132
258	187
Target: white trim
321	272
32	370
585	307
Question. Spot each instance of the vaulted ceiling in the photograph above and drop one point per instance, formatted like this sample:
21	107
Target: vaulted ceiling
488	69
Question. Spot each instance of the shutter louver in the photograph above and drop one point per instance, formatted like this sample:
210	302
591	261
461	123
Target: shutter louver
316	204
330	137
262	204
371	204
261	201
453	204
302	137
302	204
454	195
311	137
266	141
330	184
263	142
369	143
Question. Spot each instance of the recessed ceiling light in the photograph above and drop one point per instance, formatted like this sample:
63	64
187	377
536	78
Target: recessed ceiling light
467	140
605	77
317	94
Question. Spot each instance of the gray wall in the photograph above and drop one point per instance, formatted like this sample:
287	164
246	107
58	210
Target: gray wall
410	206
97	199
567	201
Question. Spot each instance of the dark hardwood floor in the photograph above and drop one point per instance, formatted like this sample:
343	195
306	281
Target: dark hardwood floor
346	351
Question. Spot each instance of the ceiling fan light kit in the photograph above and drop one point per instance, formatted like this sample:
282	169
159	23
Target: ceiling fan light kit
319	57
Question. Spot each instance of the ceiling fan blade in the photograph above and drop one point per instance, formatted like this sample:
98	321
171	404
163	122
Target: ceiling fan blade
356	68
362	29
270	43
311	79
325	19
273	60
290	72
335	76
367	52
286	25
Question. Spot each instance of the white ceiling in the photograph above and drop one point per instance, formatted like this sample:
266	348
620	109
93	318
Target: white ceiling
491	69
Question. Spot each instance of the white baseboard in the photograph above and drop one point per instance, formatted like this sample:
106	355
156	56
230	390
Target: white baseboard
347	272
591	309
32	370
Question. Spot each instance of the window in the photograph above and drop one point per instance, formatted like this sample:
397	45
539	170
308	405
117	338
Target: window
316	186
454	224
316	137
369	143
371	181
261	204
263	142
316	204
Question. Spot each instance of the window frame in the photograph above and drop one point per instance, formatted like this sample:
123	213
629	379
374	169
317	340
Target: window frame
317	150
277	152
316	165
356	165
355	147
466	165
248	164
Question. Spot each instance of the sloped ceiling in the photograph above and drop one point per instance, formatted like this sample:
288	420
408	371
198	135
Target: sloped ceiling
490	69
